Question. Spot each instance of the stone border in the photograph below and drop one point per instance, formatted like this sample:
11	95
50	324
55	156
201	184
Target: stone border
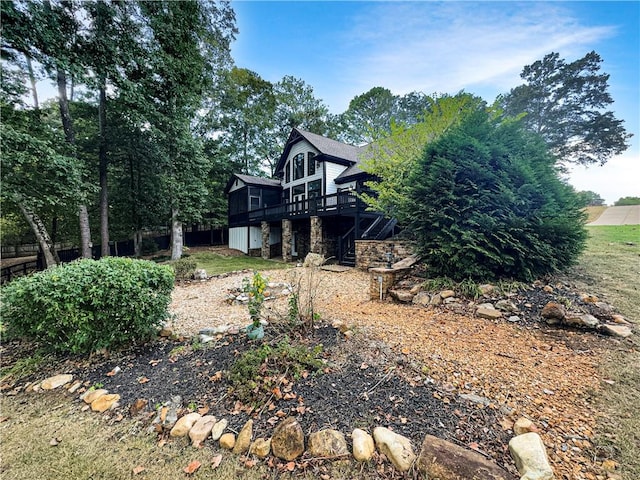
437	458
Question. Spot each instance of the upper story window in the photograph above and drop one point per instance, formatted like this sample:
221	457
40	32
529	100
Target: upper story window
287	174
311	163
298	166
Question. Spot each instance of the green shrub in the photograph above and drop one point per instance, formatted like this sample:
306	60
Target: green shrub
86	305
258	371
149	246
184	268
486	201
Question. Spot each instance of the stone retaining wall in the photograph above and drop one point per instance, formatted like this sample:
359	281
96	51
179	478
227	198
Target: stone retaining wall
371	253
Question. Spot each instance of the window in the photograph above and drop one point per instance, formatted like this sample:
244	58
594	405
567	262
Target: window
254	198
285	195
297	190
311	163
287	177
298	166
314	189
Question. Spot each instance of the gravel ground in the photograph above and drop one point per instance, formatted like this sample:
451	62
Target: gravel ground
547	374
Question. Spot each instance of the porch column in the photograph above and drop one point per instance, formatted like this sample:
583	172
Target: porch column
317	246
286	240
266	247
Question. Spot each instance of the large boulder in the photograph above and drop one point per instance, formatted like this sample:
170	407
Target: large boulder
447	461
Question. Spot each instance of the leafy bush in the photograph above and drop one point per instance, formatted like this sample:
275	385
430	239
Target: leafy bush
86	305
625	201
486	202
149	246
184	268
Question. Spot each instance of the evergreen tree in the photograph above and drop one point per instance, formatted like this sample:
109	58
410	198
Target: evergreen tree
485	201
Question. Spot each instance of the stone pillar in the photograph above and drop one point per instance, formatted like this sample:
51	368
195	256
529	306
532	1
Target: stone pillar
266	247
317	245
286	240
380	281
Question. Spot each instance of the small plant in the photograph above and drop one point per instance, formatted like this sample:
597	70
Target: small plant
438	283
507	286
177	351
257	372
22	368
193	406
255	288
184	268
469	289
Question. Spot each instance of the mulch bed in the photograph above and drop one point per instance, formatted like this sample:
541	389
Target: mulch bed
363	386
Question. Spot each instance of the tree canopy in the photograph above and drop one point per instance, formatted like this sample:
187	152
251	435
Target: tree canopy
566	104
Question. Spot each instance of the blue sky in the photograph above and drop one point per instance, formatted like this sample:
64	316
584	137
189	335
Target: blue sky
343	49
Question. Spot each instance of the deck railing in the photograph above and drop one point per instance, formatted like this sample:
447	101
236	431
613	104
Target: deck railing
333	204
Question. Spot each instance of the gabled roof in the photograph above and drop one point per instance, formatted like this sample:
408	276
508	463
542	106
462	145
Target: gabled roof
326	146
252	181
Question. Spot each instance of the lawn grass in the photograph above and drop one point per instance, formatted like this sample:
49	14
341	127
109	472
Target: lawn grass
610	269
215	264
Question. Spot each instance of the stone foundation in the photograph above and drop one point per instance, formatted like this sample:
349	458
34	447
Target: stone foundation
371	253
316	243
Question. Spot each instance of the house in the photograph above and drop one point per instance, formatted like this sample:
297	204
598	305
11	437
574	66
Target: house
311	206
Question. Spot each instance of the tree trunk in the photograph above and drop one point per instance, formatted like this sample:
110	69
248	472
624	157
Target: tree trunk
85	232
104	193
32	80
137	243
40	231
176	235
67	125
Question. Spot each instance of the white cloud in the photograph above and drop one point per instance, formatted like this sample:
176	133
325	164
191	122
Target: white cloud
446	47
619	177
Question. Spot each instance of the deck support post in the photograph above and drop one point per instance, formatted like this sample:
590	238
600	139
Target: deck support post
266	247
317	245
286	240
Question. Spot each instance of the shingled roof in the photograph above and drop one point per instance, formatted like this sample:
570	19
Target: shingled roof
253	181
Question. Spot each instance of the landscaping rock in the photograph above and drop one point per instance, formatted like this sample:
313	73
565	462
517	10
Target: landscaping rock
56	381
139	405
171	413
313	260
397	448
261	447
287	442
617	330
506	306
447	293
447	461
436	299
530	456
184	424
553	311
581	320
422	298
201	429
243	442
200	274
488	313
363	446
92	395
213	331
228	441
403	296
327	443
486	289
105	402
589	298
475	398
74	388
513	319
218	429
619	319
524	425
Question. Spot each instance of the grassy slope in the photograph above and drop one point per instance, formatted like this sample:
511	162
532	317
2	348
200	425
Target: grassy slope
594	212
215	264
610	268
